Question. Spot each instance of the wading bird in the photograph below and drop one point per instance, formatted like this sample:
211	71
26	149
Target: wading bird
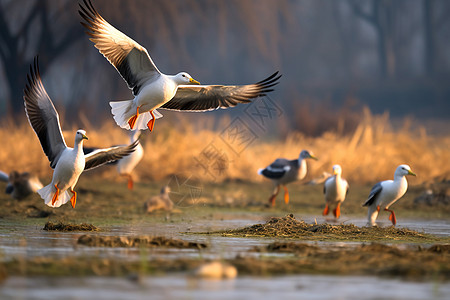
68	163
283	171
335	189
153	89
386	193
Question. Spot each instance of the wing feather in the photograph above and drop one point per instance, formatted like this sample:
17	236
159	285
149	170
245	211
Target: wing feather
42	115
211	97
99	157
130	59
374	192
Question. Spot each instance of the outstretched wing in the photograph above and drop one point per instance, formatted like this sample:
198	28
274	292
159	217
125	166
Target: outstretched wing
374	192
130	59
210	97
43	116
99	157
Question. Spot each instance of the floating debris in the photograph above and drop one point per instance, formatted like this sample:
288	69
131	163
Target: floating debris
137	241
60	226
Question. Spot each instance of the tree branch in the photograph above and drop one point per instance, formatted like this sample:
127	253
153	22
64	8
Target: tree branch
357	10
27	23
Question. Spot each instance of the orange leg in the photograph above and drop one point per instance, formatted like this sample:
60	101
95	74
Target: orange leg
151	123
392	217
286	195
130	182
132	120
73	200
337	210
326	210
378	208
55	196
274	196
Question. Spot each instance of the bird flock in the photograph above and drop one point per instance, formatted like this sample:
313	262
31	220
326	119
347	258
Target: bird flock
153	90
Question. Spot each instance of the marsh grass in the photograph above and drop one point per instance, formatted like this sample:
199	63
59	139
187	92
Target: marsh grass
369	154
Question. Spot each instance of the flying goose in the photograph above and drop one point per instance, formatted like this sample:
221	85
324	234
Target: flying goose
153	89
67	162
386	193
335	189
283	171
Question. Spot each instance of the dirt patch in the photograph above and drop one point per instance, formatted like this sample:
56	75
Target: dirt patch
60	226
137	241
440	249
290	247
366	259
290	227
412	263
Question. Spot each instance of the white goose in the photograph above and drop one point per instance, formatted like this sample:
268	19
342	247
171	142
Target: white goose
335	189
153	89
386	193
67	162
126	165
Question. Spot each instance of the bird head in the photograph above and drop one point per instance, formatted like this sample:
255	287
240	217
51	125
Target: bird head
404	170
185	78
80	135
307	154
337	169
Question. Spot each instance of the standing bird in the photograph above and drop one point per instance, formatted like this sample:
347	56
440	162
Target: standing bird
335	190
283	171
159	202
126	165
386	193
67	162
153	89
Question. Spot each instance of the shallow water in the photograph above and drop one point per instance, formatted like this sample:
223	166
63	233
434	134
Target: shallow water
32	241
19	240
182	286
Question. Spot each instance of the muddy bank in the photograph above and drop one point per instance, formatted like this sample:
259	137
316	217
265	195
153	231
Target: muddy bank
60	226
290	227
137	241
431	263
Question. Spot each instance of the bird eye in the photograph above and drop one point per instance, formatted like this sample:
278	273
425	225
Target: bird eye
183	75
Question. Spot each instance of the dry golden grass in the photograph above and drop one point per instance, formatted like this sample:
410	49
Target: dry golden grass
368	155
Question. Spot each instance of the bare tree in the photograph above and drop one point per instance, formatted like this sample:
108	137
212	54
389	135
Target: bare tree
380	16
36	31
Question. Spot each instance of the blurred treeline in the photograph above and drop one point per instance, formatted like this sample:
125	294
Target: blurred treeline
335	56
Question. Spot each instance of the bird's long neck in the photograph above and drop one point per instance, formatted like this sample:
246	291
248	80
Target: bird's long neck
400	180
78	147
301	167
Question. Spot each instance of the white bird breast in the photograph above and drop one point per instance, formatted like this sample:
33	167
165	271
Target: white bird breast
156	93
68	169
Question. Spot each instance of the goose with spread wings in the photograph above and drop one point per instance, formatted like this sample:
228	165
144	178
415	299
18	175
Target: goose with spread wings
68	163
153	89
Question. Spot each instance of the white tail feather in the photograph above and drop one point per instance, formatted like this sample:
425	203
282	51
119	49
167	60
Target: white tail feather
260	171
122	112
47	193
